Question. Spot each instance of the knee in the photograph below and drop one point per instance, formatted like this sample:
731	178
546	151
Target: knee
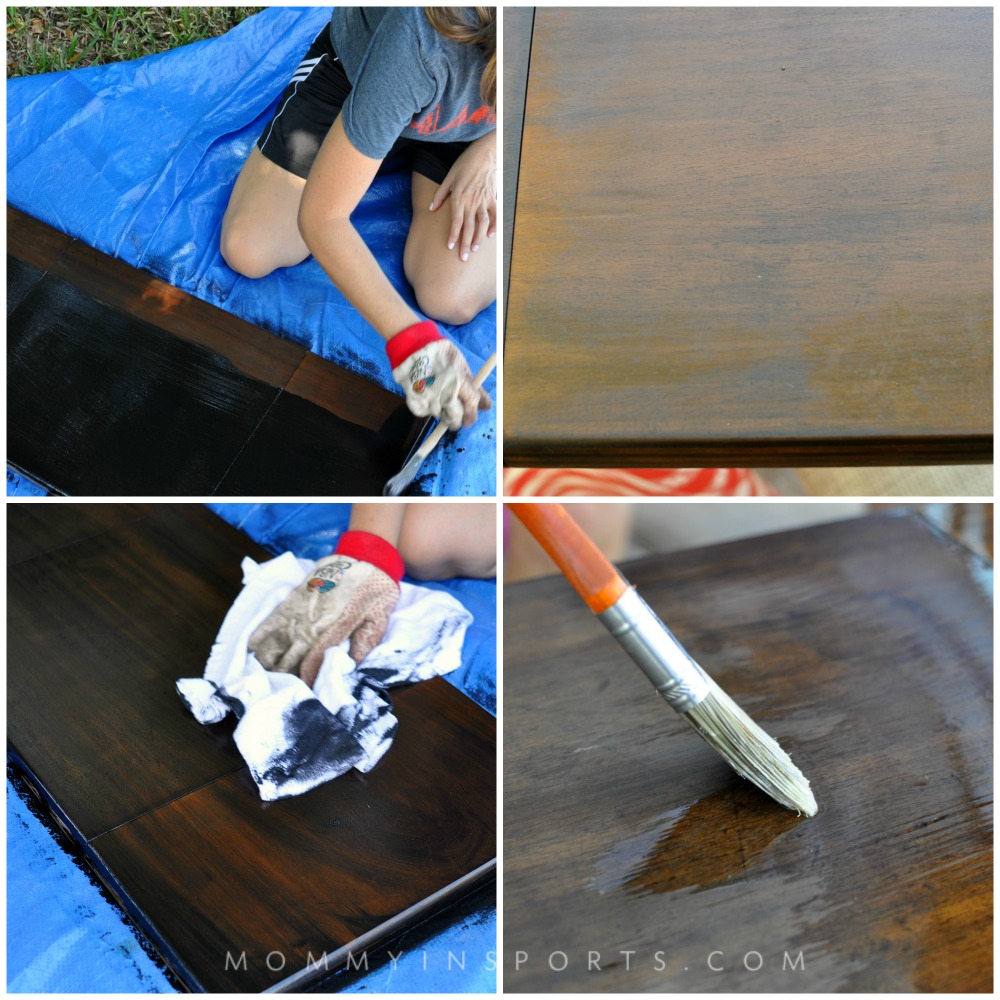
424	560
448	304
245	255
427	558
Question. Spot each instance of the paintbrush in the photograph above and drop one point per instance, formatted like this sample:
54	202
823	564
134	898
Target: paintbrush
395	486
686	687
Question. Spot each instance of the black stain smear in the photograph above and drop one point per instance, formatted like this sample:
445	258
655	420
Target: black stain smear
21	278
420	660
233	704
101	403
422	486
379	676
302	449
319	745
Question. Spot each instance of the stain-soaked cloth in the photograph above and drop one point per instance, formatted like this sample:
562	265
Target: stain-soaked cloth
294	738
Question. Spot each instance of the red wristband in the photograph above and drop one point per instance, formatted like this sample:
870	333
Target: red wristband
372	549
404	343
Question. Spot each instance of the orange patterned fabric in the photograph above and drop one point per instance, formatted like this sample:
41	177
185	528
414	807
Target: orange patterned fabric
634	482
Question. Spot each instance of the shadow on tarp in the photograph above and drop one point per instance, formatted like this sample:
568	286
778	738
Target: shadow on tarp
138	159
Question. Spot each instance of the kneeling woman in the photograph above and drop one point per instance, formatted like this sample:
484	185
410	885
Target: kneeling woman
374	82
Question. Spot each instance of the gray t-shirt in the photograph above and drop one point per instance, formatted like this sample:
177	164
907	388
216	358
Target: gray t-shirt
407	80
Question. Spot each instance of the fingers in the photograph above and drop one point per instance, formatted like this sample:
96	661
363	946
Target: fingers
290	660
473	221
458	216
368	636
441	194
310	659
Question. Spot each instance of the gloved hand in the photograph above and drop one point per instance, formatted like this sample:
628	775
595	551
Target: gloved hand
349	594
435	376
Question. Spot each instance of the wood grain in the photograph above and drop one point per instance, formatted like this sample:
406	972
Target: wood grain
21	278
35	529
517	23
100	403
753	237
100	627
102	621
865	648
120	384
34	242
218	872
301	449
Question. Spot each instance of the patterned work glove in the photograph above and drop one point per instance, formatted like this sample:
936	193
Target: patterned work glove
349	594
435	376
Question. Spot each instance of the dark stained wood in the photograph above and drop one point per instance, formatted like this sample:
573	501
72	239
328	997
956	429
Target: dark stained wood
34	529
101	622
34	242
305	450
99	628
248	348
100	403
753	236
517	23
120	384
345	394
219	872
865	648
971	524
21	278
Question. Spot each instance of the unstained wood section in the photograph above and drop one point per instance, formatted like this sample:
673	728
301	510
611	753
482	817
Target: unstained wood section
637	859
753	236
104	615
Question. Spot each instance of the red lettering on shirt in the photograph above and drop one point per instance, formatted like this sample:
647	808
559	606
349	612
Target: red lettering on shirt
429	124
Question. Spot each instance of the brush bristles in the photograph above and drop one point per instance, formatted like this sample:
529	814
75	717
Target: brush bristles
395	486
750	751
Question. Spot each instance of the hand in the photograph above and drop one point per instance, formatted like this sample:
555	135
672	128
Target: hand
344	597
435	377
471	184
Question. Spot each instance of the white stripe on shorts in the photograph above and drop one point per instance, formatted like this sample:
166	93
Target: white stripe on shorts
301	73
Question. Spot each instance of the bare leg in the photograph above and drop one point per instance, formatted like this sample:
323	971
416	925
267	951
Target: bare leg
441	540
260	230
447	289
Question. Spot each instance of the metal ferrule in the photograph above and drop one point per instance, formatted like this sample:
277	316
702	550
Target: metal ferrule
655	650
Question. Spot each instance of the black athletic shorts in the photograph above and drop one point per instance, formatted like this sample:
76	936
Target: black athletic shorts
310	105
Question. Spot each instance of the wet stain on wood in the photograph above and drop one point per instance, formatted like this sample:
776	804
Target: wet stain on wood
107	614
122	385
634	860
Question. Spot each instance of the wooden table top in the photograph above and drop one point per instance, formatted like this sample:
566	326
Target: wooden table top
865	648
108	605
122	385
752	237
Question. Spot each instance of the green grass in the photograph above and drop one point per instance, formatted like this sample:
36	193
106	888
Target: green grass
45	39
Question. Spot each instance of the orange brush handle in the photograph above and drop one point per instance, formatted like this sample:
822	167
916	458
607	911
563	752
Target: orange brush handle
591	573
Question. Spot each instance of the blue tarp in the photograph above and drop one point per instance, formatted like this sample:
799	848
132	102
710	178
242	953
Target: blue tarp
63	936
138	159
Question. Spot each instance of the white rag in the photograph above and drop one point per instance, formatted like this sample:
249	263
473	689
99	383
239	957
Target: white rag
294	738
